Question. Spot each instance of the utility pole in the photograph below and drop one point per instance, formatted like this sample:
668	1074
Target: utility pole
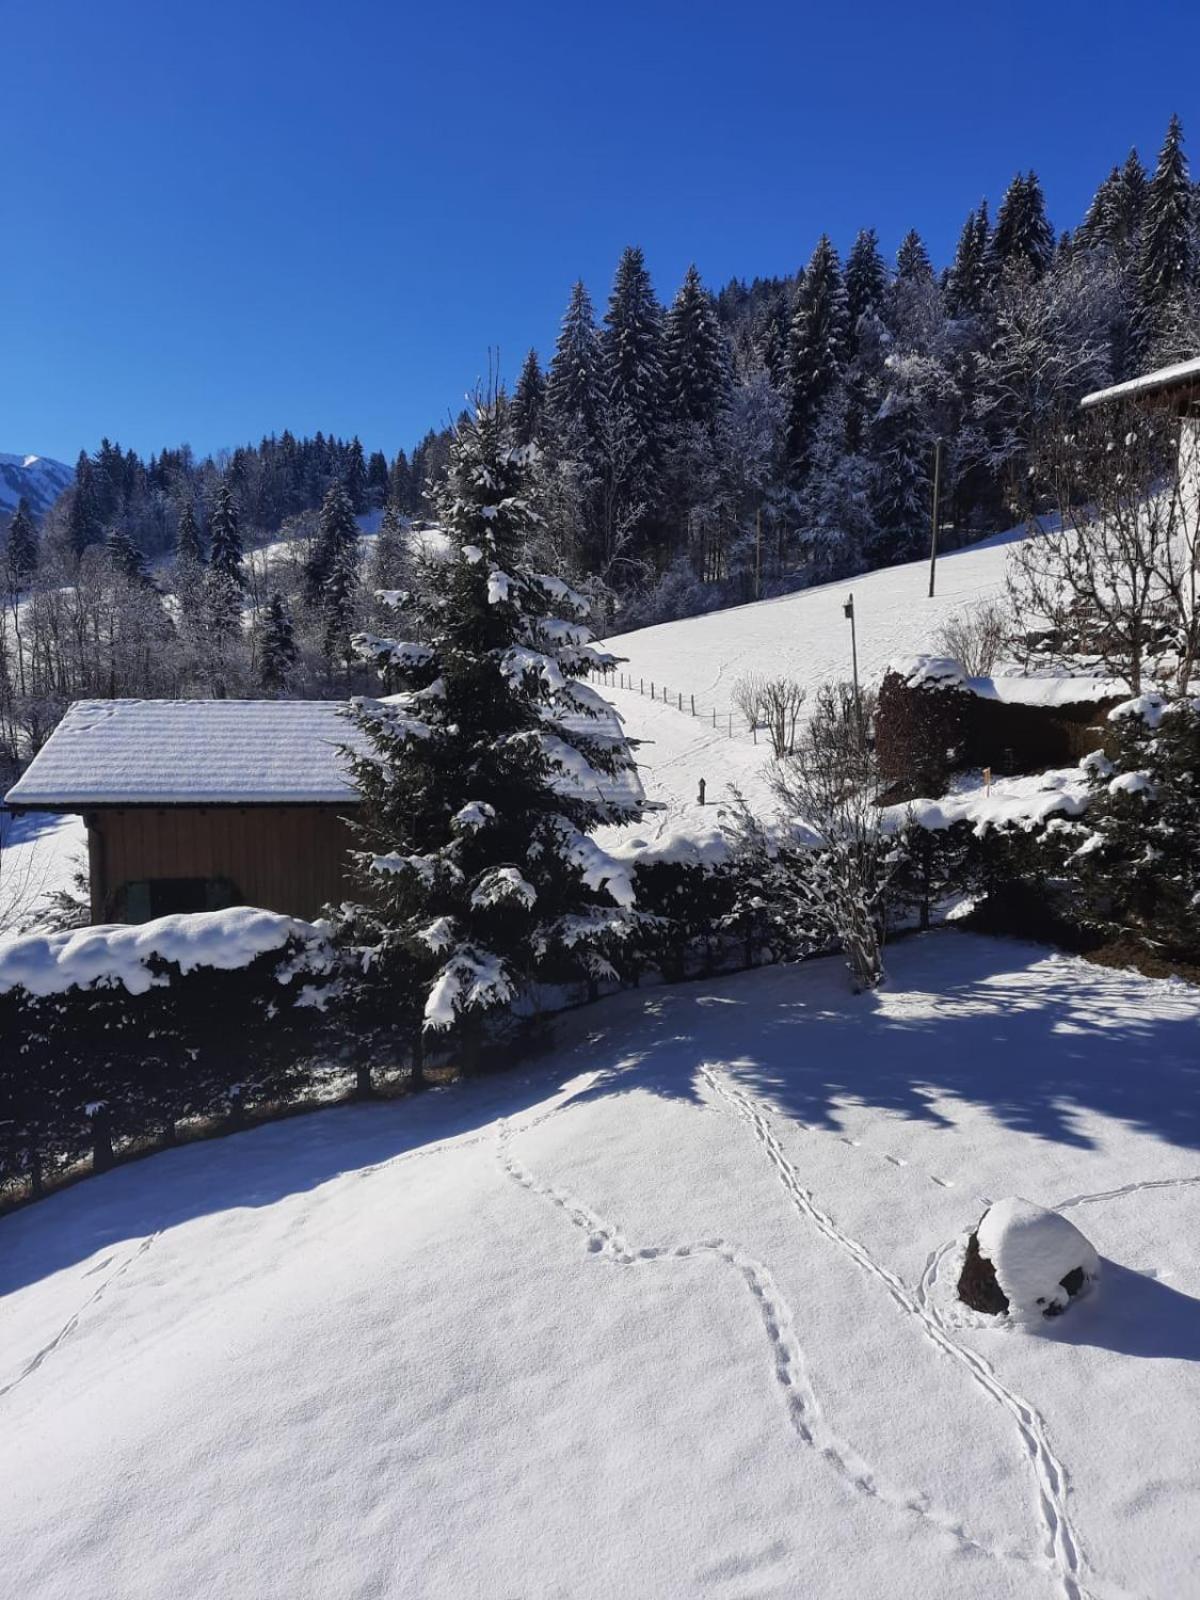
937	489
848	613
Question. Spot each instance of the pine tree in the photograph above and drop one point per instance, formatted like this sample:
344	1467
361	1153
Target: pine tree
338	597
866	280
912	258
400	483
966	281
337	531
477	873
354	476
529	397
631	347
21	550
816	346
574	389
188	545
276	645
225	539
125	555
83	518
1165	252
695	366
1022	235
377	479
390	561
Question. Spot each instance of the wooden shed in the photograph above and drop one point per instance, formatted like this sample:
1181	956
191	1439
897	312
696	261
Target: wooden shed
194	805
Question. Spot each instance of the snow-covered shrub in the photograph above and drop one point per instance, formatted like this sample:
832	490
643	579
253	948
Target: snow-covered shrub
120	1032
1025	1262
921	723
1132	862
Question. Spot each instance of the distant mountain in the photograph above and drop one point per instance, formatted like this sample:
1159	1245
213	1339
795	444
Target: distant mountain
38	478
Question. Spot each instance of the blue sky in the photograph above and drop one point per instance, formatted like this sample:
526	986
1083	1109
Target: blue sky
228	219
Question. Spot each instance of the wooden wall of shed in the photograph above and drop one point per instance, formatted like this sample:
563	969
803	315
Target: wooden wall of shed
284	858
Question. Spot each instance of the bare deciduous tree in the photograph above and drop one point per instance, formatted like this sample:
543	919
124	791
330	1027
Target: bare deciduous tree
1114	584
771	703
976	637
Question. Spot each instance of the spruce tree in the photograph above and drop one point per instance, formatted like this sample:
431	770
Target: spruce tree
189	548
631	347
1165	252
816	346
966	281
21	550
866	280
276	645
225	539
476	871
377	479
1022	236
354	476
338	598
400	483
390	559
83	517
337	531
574	388
912	258
525	412
125	556
695	365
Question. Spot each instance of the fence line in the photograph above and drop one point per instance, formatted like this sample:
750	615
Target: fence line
728	722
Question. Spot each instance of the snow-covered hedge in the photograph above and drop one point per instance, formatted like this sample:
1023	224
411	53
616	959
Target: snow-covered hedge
117	1033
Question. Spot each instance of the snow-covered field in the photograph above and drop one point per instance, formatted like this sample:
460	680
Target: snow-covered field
39	854
667	1314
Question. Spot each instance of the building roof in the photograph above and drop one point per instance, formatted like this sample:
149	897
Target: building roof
191	752
1182	374
240	753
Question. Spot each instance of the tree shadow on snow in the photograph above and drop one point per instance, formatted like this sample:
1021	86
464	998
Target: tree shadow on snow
1036	1039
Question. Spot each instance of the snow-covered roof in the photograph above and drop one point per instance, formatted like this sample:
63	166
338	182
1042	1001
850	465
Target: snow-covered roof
1149	383
192	752
239	752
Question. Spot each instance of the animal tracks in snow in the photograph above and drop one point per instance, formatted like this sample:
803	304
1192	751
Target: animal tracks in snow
604	1240
1061	1542
68	1327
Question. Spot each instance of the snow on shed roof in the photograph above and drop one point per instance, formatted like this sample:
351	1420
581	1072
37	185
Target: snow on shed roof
192	752
1149	383
235	752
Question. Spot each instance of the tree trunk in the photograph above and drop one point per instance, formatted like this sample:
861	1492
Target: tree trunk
102	1149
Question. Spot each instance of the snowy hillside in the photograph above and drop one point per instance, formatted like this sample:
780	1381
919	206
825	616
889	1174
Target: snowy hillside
669	1315
805	636
38	478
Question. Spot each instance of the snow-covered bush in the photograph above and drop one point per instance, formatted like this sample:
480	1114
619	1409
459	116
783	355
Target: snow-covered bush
117	1033
1131	863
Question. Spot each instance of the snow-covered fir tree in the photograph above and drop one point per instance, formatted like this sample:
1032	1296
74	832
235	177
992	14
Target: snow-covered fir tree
226	556
528	401
1166	246
966	280
695	363
632	350
866	282
276	645
1022	236
336	531
1133	859
21	547
477	873
816	346
912	258
574	390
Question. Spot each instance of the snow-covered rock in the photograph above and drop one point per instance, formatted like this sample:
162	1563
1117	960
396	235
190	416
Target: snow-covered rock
1031	1259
